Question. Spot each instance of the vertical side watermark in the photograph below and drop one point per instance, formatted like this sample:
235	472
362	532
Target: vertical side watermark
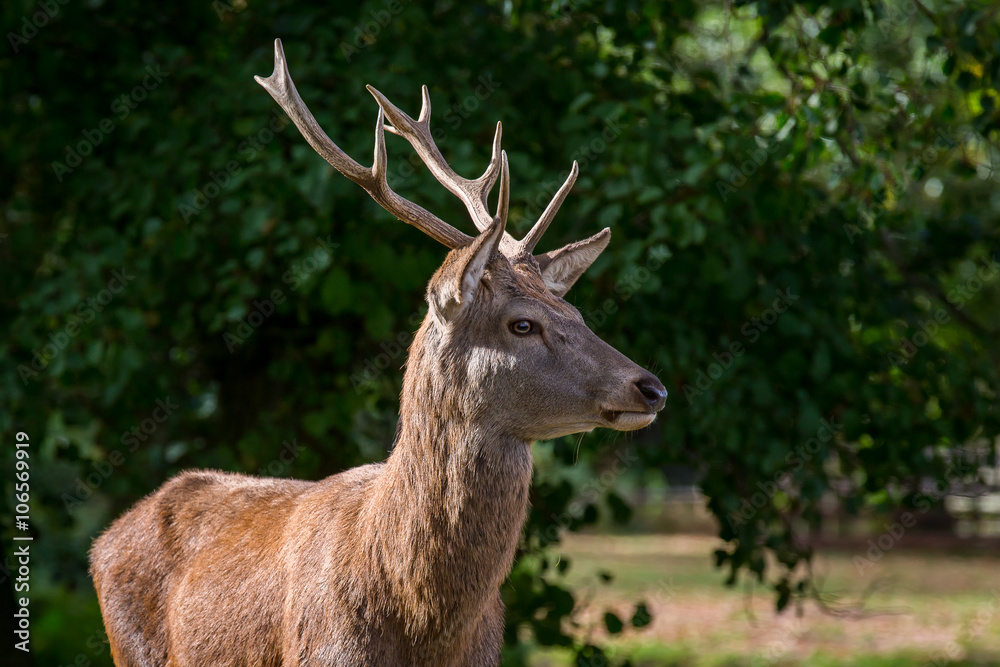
22	539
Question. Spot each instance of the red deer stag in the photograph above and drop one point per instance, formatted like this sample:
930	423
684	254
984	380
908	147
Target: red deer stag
399	562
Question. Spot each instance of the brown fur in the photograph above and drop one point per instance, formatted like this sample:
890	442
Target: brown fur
394	563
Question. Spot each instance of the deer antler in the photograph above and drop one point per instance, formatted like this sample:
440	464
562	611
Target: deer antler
473	193
534	235
282	89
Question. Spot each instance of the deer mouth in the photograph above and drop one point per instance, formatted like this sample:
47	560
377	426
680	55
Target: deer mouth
627	420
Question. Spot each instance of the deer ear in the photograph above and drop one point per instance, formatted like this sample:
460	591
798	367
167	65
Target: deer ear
561	268
457	290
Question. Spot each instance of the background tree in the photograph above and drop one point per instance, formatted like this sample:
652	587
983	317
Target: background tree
804	209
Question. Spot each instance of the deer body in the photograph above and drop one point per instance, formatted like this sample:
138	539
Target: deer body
359	573
400	562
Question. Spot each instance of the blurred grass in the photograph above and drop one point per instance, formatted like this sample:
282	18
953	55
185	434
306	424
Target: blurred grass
911	608
659	655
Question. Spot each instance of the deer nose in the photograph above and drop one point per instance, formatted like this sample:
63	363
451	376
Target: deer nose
654	394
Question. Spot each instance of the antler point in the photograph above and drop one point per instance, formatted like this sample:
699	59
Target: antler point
425	106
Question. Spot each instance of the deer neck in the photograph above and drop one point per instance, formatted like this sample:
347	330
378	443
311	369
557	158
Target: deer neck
458	493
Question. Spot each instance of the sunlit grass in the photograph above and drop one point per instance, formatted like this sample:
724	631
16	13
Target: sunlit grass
919	608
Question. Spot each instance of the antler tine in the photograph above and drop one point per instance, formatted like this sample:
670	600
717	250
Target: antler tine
425	105
503	201
494	168
532	238
380	163
282	89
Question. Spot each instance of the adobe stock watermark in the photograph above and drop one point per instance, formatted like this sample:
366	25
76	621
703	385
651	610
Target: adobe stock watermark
626	287
979	623
660	594
946	140
957	297
392	350
30	25
199	198
98	645
131	440
752	330
795	460
561	11
366	34
591	491
756	158
895	16
777	649
293	277
222	8
458	112
663	593
584	155
894	532
85	312
282	462
122	106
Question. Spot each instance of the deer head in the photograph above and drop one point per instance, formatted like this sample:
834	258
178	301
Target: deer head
499	344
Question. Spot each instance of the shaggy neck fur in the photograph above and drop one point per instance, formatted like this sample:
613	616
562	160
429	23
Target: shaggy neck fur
452	498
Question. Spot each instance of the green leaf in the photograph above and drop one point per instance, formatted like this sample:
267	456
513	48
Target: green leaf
613	623
642	617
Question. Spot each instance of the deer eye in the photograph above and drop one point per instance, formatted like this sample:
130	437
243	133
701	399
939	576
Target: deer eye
522	327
